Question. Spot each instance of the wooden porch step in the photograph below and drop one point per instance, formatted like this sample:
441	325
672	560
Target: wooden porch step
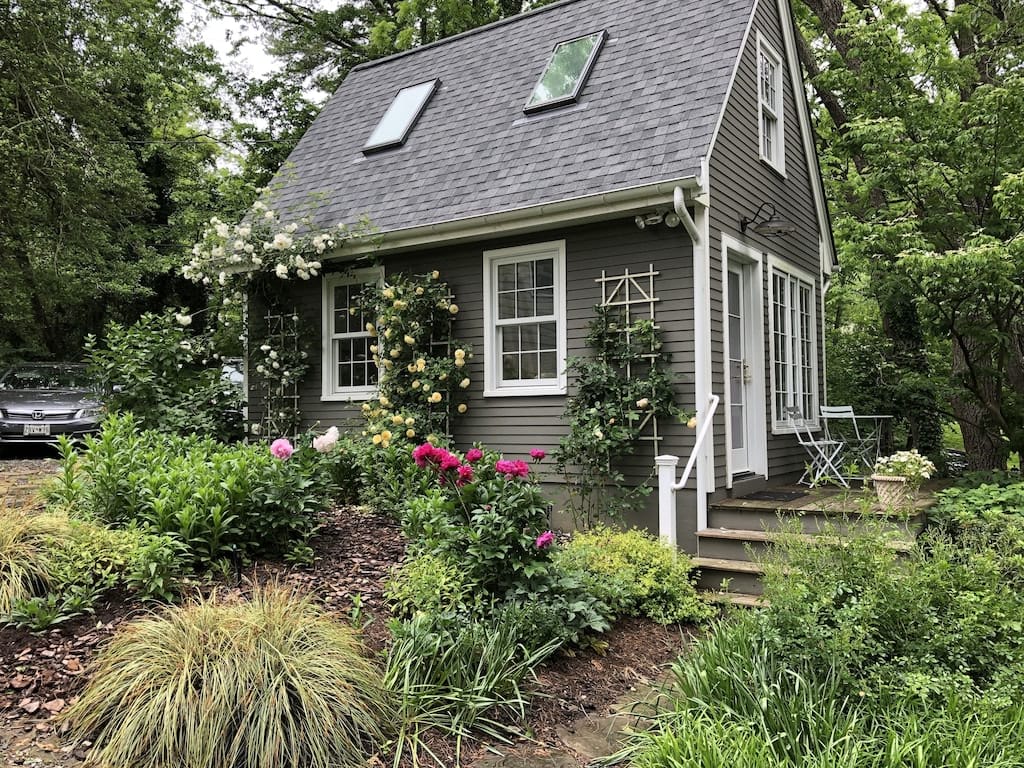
723	564
738	543
738	599
725	575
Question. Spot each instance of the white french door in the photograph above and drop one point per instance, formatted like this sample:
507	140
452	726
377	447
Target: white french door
740	347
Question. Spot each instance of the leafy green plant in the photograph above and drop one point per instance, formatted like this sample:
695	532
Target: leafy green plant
619	388
215	501
165	375
43	611
273	681
465	683
429	583
634	574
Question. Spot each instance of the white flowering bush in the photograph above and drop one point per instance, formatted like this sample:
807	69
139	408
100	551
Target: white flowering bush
909	464
424	376
263	249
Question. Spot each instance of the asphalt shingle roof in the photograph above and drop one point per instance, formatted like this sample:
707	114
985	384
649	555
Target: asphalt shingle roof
646	114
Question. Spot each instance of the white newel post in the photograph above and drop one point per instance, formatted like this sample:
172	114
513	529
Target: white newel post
667	466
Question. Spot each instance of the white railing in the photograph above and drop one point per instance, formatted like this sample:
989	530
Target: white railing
667	484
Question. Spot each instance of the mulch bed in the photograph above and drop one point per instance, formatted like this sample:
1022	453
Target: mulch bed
40	674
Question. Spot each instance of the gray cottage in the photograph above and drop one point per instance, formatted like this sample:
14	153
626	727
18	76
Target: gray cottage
658	152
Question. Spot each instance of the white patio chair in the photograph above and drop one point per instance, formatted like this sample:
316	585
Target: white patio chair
824	453
861	447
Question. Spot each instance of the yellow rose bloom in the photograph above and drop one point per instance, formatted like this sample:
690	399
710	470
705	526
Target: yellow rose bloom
454	309
460	362
384	443
385	435
387	334
397	420
416	384
396	351
435	274
421	364
419	291
383	400
410	421
373	349
459	354
409	340
411	368
464	383
692	423
435	397
410	433
388	293
463	407
377	439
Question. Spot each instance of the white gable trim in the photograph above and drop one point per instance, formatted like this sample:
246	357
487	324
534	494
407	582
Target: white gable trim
828	257
803	112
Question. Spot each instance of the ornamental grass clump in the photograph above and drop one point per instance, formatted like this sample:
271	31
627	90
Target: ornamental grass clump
270	682
24	564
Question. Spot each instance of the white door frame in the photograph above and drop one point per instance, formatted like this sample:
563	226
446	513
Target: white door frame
752	261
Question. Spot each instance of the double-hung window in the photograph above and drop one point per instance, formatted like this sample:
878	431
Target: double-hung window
770	106
524	316
794	344
349	371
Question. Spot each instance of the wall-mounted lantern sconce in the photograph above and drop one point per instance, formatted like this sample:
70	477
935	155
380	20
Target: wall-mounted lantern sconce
766	222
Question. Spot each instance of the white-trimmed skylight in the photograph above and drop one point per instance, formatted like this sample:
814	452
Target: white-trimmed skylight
393	129
566	72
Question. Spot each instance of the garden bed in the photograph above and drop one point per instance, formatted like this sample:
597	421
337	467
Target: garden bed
355	550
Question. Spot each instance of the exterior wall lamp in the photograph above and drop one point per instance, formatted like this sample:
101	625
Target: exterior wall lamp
766	222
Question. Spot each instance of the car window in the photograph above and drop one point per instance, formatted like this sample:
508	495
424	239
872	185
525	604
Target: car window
45	377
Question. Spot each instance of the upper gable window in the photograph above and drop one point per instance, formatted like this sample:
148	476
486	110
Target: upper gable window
770	106
393	129
566	72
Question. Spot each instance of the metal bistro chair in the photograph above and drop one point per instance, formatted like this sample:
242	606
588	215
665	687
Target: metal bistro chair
861	447
823	453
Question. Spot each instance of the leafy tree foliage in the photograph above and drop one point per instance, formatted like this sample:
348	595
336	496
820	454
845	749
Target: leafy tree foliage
919	122
96	101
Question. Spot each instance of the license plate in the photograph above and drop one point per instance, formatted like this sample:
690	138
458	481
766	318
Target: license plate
37	429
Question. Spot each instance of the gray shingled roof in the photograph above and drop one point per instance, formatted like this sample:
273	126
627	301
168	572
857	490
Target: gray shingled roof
646	115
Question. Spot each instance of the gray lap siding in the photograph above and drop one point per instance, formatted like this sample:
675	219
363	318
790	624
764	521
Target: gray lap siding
514	425
740	181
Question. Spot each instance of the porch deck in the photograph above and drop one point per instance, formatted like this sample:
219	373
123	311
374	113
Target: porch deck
740	529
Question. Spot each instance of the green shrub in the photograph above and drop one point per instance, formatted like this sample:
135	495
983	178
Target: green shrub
430	584
460	681
635	575
270	682
215	501
956	509
166	376
387	477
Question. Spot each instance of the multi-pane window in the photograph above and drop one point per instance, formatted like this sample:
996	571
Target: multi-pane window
526	326
769	108
793	346
349	369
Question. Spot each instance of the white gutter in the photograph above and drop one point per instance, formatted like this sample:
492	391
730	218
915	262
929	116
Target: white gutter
577	210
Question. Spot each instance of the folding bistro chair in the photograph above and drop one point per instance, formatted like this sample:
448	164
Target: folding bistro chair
823	453
862	447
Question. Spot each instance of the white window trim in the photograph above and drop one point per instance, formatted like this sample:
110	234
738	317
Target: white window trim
765	49
328	392
493	387
775	264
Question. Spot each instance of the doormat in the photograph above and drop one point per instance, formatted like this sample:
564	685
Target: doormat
775	495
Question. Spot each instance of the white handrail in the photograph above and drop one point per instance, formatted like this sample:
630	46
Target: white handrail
707	421
667	485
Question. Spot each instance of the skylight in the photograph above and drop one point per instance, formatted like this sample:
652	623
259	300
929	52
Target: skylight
566	72
393	129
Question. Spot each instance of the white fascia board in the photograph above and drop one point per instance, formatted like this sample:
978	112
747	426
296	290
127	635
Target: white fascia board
732	83
803	112
577	210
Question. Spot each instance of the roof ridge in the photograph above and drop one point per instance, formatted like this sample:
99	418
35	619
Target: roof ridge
468	33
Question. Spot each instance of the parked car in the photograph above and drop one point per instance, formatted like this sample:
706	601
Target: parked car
40	401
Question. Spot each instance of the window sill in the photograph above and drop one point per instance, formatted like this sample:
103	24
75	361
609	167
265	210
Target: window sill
779	170
536	391
352	396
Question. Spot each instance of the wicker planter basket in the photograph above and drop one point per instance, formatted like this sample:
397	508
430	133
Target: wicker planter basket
894	491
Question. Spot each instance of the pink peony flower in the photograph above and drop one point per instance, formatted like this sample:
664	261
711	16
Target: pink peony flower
326	441
473	455
448	460
537	454
465	474
545	540
281	448
512	468
421	454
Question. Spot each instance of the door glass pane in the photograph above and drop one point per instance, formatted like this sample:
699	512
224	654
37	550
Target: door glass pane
735	337
738	436
736	382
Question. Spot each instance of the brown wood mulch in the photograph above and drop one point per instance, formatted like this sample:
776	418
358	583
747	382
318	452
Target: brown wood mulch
40	674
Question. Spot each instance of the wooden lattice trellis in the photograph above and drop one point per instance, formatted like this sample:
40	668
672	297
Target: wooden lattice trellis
281	414
633	297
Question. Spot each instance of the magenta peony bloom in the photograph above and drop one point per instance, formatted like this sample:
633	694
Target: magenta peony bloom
512	469
537	454
281	448
448	460
474	455
421	454
545	540
465	474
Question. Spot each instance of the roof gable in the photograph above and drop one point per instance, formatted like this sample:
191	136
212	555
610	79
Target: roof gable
646	114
